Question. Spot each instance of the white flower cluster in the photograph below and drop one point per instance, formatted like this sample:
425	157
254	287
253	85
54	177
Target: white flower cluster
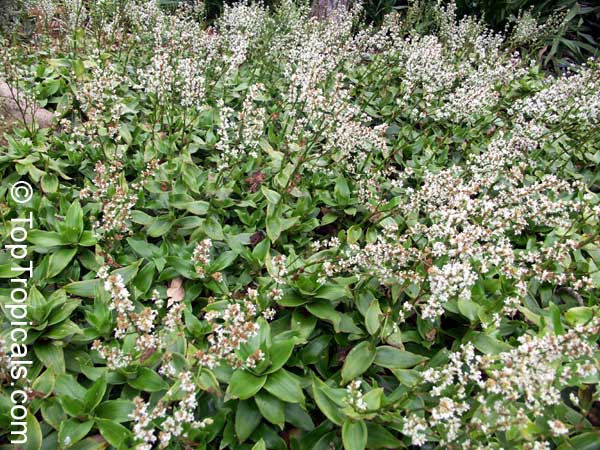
115	357
116	197
528	29
172	421
119	300
201	256
99	93
569	101
240	133
241	26
355	396
454	75
231	327
142	323
279	264
278	271
468	216
5	361
508	389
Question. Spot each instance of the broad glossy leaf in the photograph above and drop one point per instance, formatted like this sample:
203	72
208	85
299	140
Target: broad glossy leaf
354	435
358	360
244	385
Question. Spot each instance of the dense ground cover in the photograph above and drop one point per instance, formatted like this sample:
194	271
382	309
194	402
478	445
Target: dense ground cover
277	232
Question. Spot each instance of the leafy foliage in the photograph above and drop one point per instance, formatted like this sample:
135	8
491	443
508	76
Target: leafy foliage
274	232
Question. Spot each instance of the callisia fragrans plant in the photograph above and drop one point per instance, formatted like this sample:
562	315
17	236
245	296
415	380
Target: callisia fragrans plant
273	230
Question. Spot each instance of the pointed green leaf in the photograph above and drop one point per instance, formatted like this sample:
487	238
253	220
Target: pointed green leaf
114	433
394	358
95	394
51	356
72	431
358	361
73	225
59	260
271	408
244	385
354	435
284	386
247	418
148	380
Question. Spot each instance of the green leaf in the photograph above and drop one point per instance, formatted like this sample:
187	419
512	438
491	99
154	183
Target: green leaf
331	409
114	433
273	227
332	292
34	434
73	225
247	418
142	247
555	319
184	267
59	260
271	408
284	386
358	361
94	394
67	385
72	431
579	315
38	306
142	218
354	435
51	356
271	196
260	445
353	234
224	260
144	278
280	353
129	272
148	380
45	382
341	191
261	251
393	358
45	239
324	310
115	410
7	272
490	346
468	308
373	398
85	288
198	208
380	437
160	226
373	317
584	441
213	229
52	413
244	385
49	183
62	330
90	443
298	417
125	133
72	406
